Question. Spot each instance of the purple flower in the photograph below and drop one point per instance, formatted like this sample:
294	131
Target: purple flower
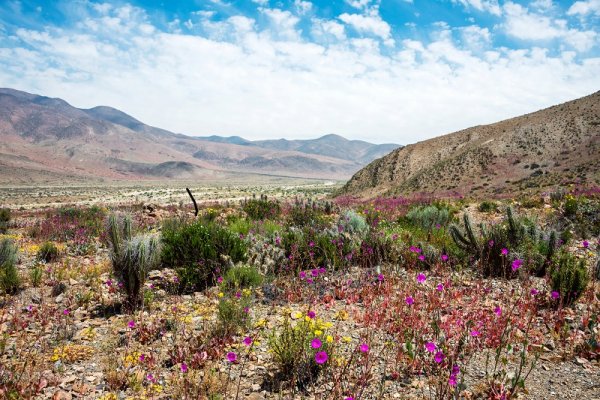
322	270
311	314
302	274
409	300
380	277
491	243
444	257
131	324
430	346
316	343
321	357
150	377
498	310
247	340
231	356
585	244
108	283
66	311
555	295
475	333
534	291
421	278
517	264
439	357
309	280
184	367
440	287
364	348
314	272
504	251
220	279
311	244
422	257
142	357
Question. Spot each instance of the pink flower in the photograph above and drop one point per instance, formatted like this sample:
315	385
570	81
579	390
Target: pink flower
475	333
364	348
491	243
220	279
314	272
421	278
321	357
66	311
316	343
150	377
585	244
555	295
311	314
380	277
504	251
430	346
498	310
131	324
517	264
231	356
309	280
302	274
444	257
534	291
440	287
349	398
439	357
452	380
184	367
409	300
247	340
311	244
422	257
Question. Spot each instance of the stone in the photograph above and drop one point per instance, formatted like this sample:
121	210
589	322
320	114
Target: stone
61	395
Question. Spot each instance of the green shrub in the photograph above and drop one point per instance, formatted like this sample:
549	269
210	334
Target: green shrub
232	315
241	226
259	209
9	276
48	252
132	257
197	250
4	219
35	276
353	223
569	277
571	205
487	206
241	277
428	217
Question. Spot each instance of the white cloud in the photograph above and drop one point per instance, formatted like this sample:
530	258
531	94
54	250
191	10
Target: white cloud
302	6
283	23
251	83
475	37
490	6
371	23
323	29
360	4
542	5
585	7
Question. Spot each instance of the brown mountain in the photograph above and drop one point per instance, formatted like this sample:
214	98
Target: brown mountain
554	146
47	139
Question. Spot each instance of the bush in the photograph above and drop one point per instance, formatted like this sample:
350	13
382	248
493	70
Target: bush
198	250
569	277
354	224
9	276
4	219
35	276
70	223
241	277
571	205
428	217
132	258
259	209
48	252
233	316
487	206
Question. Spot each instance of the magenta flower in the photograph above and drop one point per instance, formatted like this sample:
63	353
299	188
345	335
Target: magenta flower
421	278
452	380
302	274
247	340
422	257
498	310
150	377
504	251
66	311
309	280
440	287
108	283
430	346
364	348
314	272
439	357
231	356
517	264
380	277
409	300
475	333
534	291
491	243
322	270
349	398
316	343
321	357
555	295
311	314
131	324
220	279
444	257
311	244
238	294
585	244
184	367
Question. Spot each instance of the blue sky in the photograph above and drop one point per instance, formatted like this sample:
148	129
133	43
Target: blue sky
385	71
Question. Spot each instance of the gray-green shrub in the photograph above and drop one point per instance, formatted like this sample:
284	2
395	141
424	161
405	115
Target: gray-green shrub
9	276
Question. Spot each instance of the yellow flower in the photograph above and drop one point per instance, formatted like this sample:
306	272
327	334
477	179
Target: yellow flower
220	294
347	339
327	325
307	318
260	323
297	315
329	339
341	315
318	332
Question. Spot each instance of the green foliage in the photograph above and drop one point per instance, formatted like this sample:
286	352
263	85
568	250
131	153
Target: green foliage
4	219
132	257
232	315
241	226
308	214
570	206
428	217
259	209
9	276
241	277
312	248
197	250
35	276
48	252
569	277
488	206
353	224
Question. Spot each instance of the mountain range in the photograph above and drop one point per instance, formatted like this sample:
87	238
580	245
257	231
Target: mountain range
46	139
557	146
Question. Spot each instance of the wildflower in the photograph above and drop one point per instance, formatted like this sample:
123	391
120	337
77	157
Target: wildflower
311	244
66	311
108	283
246	309
422	257
440	287
238	294
380	277
504	251
314	272
297	315
29	308
302	274
421	278
439	357
585	244
316	343
349	398
318	332
430	346
534	291
184	367
220	294
142	357
347	339
311	314
444	257
498	310
309	280
409	300
364	348
321	357
329	339
247	340
220	279
555	295
150	377
438	226
452	380
517	264
322	270
231	356
475	333
491	243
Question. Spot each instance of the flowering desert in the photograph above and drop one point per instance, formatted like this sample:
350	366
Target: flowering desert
303	297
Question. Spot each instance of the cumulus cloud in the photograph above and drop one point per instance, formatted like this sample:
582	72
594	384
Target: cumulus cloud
370	23
490	6
585	7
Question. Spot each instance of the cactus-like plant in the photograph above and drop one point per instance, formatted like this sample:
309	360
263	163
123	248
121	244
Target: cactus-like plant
132	258
466	241
9	276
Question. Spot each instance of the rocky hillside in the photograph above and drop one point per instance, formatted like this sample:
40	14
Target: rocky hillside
557	145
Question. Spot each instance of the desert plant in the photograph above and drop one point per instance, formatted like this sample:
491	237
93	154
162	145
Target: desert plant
569	277
259	209
428	217
196	250
4	219
48	252
35	276
233	315
241	277
132	258
9	276
487	206
354	224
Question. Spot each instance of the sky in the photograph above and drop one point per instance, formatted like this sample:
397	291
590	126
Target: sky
397	71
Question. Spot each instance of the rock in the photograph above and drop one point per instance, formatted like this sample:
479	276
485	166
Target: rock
255	396
61	395
581	361
58	289
73	282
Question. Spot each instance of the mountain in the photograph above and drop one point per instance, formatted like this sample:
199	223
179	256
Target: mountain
559	145
46	139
